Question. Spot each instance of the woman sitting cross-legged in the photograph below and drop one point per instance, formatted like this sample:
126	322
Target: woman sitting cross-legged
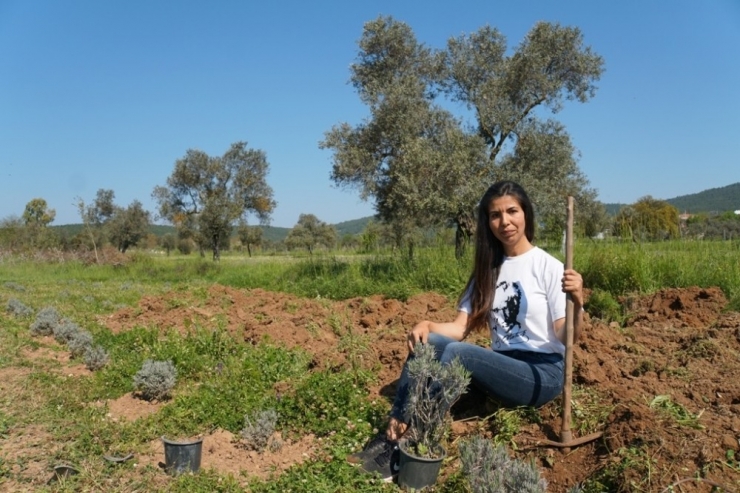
516	292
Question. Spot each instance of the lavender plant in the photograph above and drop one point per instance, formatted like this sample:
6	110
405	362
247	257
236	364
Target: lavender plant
65	330
489	469
17	308
46	320
433	389
96	358
156	379
14	286
259	428
79	343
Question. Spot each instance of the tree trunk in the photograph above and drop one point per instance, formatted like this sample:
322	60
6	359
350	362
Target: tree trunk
216	250
463	234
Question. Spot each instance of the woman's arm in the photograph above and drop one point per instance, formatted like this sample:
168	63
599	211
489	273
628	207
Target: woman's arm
456	329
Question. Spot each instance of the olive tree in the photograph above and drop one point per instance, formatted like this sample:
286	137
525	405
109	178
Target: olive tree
209	194
423	165
128	226
105	221
36	218
249	236
38	214
310	232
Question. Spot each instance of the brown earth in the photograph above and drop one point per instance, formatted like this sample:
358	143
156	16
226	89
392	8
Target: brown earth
676	343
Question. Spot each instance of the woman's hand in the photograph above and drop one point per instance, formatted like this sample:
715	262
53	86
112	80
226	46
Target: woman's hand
573	284
396	429
419	333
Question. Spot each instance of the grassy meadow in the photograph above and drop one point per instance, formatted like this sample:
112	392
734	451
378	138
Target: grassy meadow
63	409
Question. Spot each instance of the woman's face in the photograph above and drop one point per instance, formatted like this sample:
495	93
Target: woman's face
507	222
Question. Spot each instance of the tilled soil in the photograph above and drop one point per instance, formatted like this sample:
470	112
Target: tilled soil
676	343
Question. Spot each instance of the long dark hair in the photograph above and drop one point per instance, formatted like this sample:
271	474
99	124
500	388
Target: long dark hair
489	252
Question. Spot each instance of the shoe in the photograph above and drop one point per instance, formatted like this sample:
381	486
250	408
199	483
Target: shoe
371	450
386	464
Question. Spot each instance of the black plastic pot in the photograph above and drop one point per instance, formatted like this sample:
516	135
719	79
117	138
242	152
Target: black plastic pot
418	472
180	457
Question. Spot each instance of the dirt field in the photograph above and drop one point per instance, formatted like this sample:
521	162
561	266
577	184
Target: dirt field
676	343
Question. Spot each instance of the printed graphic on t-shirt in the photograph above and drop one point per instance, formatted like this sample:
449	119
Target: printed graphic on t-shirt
508	328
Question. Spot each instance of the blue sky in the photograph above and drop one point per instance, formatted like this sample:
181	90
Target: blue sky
105	94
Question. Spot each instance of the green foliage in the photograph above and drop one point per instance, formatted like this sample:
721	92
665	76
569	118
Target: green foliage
712	200
128	226
488	469
205	195
221	380
156	379
624	268
647	219
325	401
601	304
505	424
423	165
38	214
310	232
676	411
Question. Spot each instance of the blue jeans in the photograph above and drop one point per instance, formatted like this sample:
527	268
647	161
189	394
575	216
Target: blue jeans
516	378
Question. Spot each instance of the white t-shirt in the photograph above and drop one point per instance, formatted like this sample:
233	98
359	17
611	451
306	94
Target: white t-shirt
528	298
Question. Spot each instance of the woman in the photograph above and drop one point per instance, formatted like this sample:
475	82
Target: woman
516	292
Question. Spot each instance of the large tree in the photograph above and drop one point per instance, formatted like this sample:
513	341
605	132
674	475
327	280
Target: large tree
208	195
420	163
311	232
37	213
128	226
36	217
106	221
647	219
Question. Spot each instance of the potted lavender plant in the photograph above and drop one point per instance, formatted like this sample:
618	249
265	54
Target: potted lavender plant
433	389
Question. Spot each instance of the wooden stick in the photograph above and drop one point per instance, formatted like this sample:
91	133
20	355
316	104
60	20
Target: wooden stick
566	436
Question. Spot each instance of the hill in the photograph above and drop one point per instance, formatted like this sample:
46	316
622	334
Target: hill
721	199
271	233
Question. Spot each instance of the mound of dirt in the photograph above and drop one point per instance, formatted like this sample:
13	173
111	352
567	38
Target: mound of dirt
678	352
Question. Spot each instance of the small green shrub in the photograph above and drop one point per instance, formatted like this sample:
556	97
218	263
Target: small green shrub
79	343
601	304
488	469
46	320
156	379
17	308
259	428
96	358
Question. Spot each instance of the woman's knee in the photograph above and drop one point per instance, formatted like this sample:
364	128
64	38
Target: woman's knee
453	350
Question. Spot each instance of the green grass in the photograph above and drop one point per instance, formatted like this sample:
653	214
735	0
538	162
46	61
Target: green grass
221	379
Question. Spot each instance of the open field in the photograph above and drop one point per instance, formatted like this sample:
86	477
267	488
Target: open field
322	342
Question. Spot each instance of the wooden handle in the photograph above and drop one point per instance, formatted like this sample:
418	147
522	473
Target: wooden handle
565	433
